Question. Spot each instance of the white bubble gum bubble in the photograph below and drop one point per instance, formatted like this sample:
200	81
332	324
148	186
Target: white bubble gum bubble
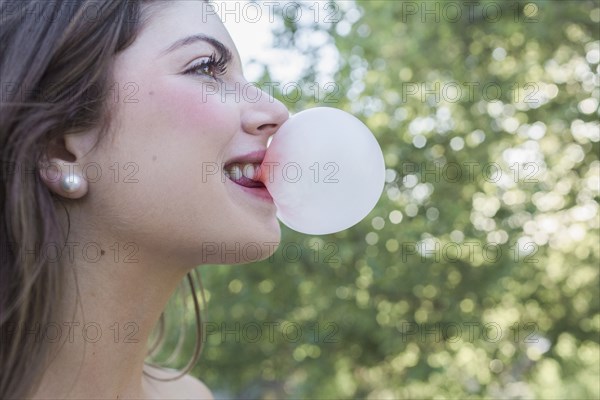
324	170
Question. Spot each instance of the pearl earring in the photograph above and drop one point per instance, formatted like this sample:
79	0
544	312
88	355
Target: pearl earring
70	183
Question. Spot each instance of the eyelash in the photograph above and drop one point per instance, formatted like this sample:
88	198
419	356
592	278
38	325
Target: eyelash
217	66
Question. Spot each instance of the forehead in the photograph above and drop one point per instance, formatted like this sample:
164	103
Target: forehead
169	21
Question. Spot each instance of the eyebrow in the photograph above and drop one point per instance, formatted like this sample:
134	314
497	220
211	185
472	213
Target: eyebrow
221	48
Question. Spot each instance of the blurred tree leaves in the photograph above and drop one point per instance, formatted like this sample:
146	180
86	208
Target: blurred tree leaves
489	127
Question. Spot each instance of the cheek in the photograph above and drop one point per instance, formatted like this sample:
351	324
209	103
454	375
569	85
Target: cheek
167	136
195	107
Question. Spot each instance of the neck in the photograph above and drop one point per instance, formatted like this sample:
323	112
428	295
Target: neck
107	314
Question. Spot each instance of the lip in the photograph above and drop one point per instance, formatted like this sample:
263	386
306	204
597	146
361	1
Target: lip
254	157
261	193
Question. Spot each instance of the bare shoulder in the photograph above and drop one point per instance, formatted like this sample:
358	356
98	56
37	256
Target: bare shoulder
195	388
186	387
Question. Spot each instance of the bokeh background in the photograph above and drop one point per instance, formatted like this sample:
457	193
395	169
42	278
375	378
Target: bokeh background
476	275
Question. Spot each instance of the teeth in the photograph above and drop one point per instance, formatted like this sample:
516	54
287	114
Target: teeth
248	171
236	171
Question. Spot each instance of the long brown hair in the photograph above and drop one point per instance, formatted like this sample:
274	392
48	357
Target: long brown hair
56	60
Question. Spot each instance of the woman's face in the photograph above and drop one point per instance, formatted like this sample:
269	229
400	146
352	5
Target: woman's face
163	186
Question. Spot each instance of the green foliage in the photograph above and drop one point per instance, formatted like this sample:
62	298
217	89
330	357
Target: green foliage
507	305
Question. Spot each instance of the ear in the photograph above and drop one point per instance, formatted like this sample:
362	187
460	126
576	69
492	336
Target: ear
61	165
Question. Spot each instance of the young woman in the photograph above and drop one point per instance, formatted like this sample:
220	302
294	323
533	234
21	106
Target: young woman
116	120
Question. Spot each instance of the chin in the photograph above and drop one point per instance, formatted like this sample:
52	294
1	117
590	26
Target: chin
249	248
261	246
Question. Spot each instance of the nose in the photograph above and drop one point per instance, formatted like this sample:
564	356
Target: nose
262	114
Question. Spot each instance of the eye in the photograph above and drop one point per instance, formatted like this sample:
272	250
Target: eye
209	66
